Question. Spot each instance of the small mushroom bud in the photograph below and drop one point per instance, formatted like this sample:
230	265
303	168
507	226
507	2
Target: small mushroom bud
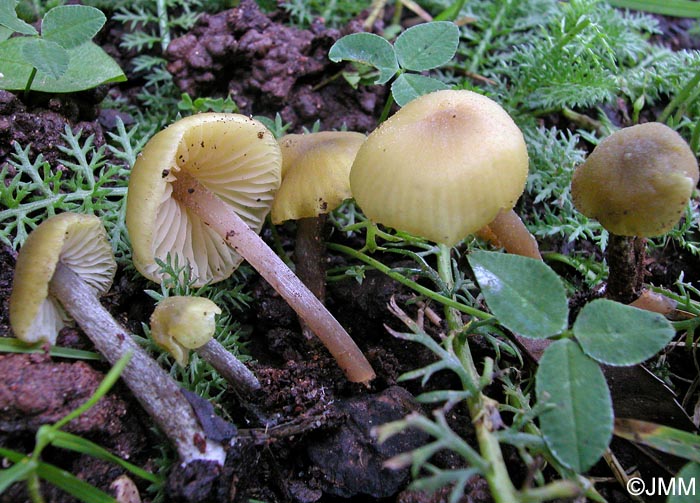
179	324
636	183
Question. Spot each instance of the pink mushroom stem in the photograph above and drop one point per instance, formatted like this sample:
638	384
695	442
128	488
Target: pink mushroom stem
508	231
226	222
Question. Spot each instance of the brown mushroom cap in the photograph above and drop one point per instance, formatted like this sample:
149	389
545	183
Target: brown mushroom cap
315	173
442	167
233	156
79	242
181	323
637	181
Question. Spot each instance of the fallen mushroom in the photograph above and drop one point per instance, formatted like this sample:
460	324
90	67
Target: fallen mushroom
636	183
66	238
315	181
67	260
205	183
181	323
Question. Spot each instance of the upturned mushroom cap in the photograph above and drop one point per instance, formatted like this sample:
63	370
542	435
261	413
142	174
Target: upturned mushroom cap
181	323
637	181
79	242
442	167
233	156
315	173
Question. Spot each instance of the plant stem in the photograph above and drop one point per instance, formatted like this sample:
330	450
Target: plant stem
444	263
446	301
481	408
556	490
310	252
34	488
157	392
230	367
387	108
30	81
226	222
163	25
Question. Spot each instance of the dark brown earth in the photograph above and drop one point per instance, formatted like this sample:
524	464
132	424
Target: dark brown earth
307	436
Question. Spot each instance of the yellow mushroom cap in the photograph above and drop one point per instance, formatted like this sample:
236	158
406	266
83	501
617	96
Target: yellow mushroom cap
79	242
442	167
637	181
181	323
233	156
315	173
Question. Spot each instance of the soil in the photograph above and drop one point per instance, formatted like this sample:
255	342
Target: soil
307	437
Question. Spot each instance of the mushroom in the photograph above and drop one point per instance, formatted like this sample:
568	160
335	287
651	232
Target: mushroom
204	184
448	163
64	264
636	183
67	238
181	323
315	181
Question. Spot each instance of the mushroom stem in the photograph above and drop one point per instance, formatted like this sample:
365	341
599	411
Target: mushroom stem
157	392
230	367
310	252
625	256
508	231
224	220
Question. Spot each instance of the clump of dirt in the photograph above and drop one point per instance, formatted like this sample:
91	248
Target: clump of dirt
7	264
36	391
268	67
39	121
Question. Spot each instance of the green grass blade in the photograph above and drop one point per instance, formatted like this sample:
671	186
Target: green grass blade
678	8
664	438
101	391
16	472
75	443
72	484
12	345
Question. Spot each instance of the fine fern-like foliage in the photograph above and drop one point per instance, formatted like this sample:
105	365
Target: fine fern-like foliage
571	57
88	183
555	155
150	22
335	13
